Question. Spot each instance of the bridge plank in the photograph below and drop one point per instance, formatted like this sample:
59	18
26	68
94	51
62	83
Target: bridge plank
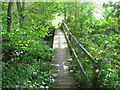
60	69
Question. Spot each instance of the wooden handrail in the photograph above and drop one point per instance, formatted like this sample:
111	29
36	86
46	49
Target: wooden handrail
83	49
88	55
95	64
81	67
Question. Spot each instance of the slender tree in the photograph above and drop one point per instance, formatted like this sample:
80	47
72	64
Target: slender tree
20	8
9	17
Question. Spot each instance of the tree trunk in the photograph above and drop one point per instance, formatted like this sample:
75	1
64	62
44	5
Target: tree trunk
23	7
20	9
9	17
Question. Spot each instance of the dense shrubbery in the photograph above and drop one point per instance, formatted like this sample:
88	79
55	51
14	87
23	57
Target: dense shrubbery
100	37
34	74
26	61
27	48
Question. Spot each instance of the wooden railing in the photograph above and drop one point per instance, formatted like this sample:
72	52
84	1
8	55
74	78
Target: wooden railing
78	51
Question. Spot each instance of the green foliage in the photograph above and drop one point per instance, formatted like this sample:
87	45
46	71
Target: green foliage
34	75
27	49
28	42
99	37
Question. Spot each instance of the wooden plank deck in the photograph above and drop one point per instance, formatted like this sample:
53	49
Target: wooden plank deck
60	66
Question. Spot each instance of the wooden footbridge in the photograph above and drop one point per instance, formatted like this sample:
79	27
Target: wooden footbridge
65	47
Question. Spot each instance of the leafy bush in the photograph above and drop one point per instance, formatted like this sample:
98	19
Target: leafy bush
24	75
100	38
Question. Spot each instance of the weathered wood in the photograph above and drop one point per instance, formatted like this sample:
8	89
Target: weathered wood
81	67
87	54
60	67
83	49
